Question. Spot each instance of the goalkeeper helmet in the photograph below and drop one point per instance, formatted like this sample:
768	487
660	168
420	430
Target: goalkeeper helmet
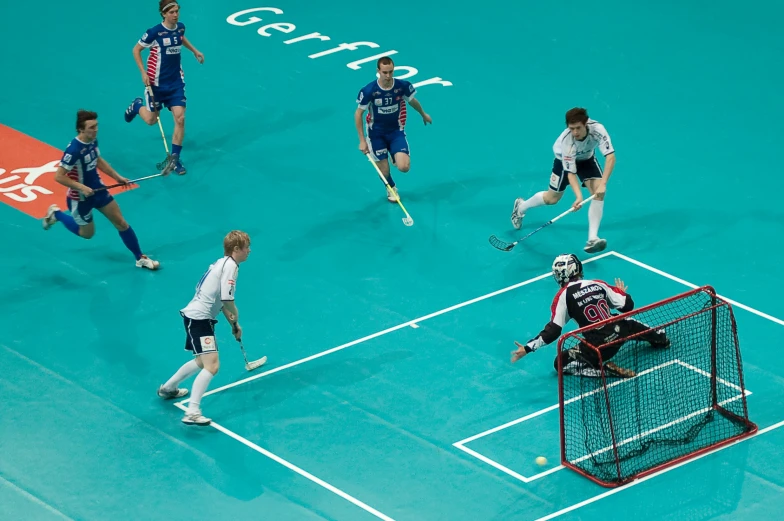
567	267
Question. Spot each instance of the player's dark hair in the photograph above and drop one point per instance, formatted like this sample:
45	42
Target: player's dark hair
164	3
386	60
82	116
576	115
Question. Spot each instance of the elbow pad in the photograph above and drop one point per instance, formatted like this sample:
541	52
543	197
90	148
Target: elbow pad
628	306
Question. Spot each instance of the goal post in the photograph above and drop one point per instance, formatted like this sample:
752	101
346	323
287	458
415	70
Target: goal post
649	404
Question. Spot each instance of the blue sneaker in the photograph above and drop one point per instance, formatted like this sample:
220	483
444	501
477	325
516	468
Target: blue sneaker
133	109
178	166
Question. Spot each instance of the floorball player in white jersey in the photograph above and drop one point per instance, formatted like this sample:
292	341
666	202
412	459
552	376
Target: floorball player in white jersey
575	159
214	294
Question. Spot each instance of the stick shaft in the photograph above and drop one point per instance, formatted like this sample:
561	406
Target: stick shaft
131	181
160	125
551	221
244	355
381	175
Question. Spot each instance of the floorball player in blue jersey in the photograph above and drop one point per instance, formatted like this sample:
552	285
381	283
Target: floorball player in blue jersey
386	100
163	75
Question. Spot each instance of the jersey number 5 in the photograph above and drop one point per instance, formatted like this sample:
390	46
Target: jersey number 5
597	312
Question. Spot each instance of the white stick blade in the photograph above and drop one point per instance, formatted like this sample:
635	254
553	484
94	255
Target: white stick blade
408	221
250	366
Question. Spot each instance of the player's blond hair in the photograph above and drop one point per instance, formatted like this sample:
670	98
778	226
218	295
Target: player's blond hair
235	239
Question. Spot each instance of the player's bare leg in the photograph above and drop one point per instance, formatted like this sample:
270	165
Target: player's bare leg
209	364
595	210
54	215
178	113
87	231
179	125
403	162
128	236
383	165
149	117
521	206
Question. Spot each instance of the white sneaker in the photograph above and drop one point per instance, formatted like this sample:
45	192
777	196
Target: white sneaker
517	214
595	245
49	220
146	262
170	395
195	418
392	195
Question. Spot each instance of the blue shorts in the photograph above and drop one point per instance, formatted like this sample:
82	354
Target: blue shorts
587	169
165	95
82	211
383	144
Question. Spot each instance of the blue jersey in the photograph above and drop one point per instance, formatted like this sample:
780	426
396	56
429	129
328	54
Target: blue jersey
386	108
80	160
163	64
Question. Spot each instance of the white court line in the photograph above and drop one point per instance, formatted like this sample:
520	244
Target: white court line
707	375
553	407
492	463
301	472
694	286
506	425
526	479
646	478
391	329
34	499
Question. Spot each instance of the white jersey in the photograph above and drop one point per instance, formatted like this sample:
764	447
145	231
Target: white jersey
215	287
570	150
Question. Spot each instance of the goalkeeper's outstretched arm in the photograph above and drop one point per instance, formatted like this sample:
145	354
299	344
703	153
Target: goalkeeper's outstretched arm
548	335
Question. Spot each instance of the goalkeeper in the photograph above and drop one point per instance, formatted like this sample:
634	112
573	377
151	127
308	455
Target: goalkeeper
589	301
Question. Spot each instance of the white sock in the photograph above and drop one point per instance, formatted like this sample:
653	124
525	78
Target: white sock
182	373
594	218
199	387
536	200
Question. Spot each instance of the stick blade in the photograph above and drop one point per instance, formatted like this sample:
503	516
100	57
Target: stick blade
250	366
163	164
498	244
408	221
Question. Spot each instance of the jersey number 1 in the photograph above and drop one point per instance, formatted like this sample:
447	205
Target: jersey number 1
201	281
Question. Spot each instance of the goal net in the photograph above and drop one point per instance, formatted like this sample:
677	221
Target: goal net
650	404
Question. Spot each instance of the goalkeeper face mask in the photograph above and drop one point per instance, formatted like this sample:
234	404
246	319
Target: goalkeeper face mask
566	267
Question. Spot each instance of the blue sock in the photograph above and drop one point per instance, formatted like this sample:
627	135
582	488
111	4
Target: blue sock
391	181
131	242
67	221
176	149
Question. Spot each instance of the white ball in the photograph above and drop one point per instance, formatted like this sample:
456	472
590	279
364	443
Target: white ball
541	460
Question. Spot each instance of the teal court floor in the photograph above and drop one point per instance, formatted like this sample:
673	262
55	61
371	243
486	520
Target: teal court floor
388	393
